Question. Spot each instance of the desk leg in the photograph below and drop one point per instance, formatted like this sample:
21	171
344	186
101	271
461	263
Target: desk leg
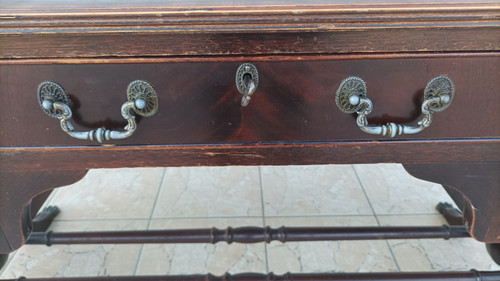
478	183
17	189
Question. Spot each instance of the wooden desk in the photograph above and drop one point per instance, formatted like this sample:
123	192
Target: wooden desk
190	52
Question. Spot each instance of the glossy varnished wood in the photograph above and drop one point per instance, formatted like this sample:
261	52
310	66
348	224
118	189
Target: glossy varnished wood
294	102
245	28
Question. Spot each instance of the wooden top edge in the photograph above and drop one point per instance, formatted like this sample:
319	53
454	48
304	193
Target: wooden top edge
57	16
16	9
239	58
40	20
203	6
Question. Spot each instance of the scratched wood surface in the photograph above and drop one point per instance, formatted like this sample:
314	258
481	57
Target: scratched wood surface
172	28
294	101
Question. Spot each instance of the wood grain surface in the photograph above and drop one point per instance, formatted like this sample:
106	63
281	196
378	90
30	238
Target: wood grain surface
419	152
136	29
294	102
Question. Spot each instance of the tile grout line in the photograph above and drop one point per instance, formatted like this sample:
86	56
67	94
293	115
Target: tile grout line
263	215
375	216
150	219
366	195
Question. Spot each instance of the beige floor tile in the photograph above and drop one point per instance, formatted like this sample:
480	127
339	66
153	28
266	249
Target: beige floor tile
202	258
209	192
326	256
77	260
391	190
110	193
412	220
437	254
312	190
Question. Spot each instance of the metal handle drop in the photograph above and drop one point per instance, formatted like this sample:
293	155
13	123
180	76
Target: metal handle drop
351	98
141	99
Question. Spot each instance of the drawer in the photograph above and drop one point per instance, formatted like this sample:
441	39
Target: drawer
294	101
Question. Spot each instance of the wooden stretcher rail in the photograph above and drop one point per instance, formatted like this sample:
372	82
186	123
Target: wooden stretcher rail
247	235
472	275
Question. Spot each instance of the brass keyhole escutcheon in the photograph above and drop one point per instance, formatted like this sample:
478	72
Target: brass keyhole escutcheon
247	80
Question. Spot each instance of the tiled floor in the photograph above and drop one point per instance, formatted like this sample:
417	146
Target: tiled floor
332	195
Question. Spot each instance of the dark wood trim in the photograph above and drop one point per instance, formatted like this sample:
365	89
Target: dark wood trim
76	158
247	234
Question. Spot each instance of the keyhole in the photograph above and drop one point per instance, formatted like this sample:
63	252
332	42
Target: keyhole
247	77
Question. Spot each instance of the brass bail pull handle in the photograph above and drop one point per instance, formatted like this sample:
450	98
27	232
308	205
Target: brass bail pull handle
247	80
141	99
351	98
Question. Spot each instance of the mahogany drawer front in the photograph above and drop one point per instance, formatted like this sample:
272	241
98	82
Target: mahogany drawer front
294	101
